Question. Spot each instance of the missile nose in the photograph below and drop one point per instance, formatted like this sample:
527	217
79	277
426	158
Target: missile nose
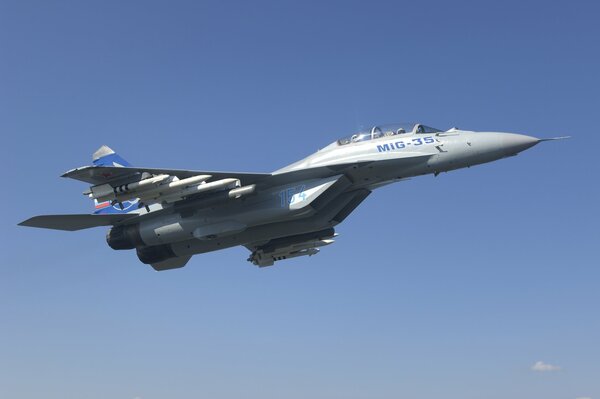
514	143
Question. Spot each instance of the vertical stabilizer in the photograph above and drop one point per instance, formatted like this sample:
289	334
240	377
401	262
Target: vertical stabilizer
106	156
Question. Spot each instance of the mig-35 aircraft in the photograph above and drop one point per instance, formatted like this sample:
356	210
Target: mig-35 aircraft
169	215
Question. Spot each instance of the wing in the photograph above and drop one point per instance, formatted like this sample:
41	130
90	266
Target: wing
104	174
74	222
115	175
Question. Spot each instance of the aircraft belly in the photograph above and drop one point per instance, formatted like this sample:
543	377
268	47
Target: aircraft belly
328	216
256	233
283	203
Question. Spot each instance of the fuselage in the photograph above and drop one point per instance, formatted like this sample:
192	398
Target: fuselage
398	156
330	184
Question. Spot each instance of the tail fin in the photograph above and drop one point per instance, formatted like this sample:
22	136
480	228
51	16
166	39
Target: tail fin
105	156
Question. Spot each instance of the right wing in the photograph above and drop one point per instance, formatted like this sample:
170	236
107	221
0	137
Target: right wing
106	174
75	222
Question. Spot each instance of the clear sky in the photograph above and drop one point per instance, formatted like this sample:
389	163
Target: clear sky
453	287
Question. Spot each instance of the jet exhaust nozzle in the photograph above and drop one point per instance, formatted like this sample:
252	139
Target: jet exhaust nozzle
124	237
155	254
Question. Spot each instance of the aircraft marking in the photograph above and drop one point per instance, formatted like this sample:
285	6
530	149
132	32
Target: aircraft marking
292	195
398	145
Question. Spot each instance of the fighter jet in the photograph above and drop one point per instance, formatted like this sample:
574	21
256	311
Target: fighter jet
169	215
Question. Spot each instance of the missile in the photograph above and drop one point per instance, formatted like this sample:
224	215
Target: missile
308	248
146	188
301	246
174	185
103	192
241	191
299	239
140	185
295	254
262	260
106	192
183	190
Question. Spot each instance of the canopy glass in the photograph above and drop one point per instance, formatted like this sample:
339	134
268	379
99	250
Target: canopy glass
387	130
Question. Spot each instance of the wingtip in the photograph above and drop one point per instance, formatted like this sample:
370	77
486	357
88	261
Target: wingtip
28	222
68	173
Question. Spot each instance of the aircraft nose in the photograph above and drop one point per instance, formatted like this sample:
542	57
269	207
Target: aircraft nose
513	143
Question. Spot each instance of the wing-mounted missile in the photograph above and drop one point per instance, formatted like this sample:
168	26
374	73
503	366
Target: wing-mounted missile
182	189
123	192
291	247
164	188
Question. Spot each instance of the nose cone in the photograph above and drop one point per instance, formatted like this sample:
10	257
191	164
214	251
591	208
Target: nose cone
513	143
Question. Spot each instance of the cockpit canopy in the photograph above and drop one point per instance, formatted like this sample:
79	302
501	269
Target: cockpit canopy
387	130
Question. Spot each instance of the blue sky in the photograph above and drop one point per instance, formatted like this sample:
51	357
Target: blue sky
452	287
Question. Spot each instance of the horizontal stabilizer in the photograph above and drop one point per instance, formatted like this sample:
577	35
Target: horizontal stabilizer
74	222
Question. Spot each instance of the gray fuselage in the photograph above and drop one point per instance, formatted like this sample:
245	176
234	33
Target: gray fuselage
330	184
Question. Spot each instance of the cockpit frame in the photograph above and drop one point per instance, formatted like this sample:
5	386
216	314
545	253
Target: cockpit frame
380	131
